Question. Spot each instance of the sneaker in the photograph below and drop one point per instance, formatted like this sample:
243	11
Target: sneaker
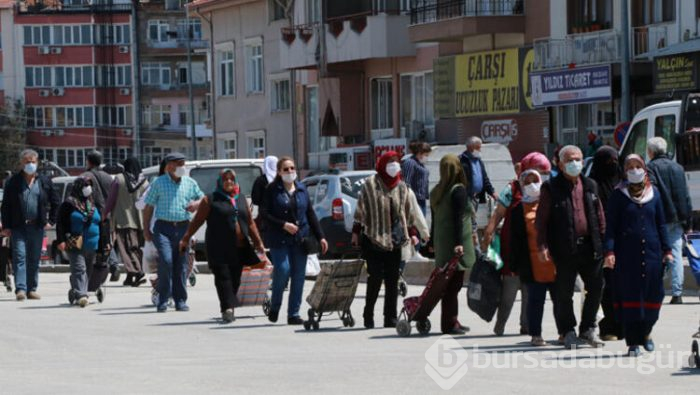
456	331
295	321
633	351
572	342
162	308
560	340
369	322
591	338
417	257
649	344
463	327
33	295
228	316
138	279
182	307
82	302
538	341
676	300
609	338
114	270
129	281
273	316
21	296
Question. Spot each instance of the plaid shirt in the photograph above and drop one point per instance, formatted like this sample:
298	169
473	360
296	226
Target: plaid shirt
170	199
416	176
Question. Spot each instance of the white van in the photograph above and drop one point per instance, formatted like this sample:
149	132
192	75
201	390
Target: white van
206	172
678	122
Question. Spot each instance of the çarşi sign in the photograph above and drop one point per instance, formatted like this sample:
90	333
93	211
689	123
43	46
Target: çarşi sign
675	72
397	145
571	86
501	131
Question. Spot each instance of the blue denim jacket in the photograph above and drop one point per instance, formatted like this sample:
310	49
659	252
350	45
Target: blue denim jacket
277	210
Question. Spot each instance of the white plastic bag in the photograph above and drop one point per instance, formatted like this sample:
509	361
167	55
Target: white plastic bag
150	258
313	266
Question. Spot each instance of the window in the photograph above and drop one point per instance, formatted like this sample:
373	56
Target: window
158	31
647	12
311	187
254	67
277	9
184	115
585	13
665	127
157	115
313	11
230	149
381	103
280	95
38	77
196	32
636	142
256	144
156	74
417	101
114	115
226	73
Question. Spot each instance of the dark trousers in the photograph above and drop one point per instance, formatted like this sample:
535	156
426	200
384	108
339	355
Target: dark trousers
449	303
591	272
536	297
227	279
609	324
636	332
381	266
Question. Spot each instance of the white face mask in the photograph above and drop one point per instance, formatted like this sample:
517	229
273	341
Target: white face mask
393	168
30	168
87	190
476	154
532	190
573	168
180	171
289	177
636	176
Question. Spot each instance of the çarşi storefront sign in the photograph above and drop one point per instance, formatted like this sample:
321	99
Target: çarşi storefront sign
675	72
571	86
397	145
483	83
501	131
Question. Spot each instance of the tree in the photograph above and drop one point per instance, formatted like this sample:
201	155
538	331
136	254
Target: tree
13	133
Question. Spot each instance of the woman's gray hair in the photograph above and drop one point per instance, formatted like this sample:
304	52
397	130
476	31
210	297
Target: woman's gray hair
474	141
657	146
566	149
28	152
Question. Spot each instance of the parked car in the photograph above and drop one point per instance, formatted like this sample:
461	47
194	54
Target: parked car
206	172
334	198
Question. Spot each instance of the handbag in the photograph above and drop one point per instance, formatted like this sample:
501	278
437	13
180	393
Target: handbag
74	242
310	245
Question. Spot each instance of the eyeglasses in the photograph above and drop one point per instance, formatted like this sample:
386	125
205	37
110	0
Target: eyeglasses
288	168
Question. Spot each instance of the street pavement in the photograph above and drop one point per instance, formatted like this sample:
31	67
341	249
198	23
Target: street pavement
124	347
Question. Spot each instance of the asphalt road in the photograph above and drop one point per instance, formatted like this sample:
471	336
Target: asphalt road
124	346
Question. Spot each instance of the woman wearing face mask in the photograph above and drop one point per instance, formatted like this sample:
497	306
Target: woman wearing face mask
290	219
382	219
78	233
452	235
537	275
637	249
508	199
230	238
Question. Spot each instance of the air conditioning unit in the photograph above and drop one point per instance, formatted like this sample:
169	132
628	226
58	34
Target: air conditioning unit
127	132
58	91
123	49
44	93
56	50
44	50
59	132
46	133
124	91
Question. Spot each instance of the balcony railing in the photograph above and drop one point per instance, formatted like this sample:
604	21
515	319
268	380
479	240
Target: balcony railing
649	39
584	48
428	11
74	6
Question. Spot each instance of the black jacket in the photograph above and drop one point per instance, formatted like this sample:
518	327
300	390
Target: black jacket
257	194
465	159
519	250
669	178
12	214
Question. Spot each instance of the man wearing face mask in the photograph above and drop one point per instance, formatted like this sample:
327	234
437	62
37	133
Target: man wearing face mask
475	171
570	226
669	178
173	196
29	205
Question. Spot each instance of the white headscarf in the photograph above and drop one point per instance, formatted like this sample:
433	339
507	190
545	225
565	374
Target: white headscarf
523	176
270	168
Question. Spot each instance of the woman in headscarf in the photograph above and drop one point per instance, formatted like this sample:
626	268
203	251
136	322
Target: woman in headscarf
78	234
383	217
127	221
452	235
232	238
605	170
509	197
269	173
537	275
636	249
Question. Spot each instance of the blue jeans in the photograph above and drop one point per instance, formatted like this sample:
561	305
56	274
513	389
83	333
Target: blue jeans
172	264
26	252
536	296
289	261
675	237
423	207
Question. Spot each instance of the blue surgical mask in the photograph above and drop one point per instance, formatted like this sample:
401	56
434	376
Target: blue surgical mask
573	168
30	168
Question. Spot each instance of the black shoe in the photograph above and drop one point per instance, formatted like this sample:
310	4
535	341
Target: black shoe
390	322
524	331
138	280
676	300
456	331
369	322
114	270
129	280
273	316
295	321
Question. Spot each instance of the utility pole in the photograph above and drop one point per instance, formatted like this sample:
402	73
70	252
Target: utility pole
136	70
625	65
189	82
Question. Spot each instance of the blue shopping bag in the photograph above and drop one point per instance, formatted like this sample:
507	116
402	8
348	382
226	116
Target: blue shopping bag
692	250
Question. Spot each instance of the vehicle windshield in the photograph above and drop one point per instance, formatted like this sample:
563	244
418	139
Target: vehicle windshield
245	175
352	185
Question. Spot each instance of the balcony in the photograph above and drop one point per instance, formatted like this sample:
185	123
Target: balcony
376	34
435	20
649	39
73	6
580	49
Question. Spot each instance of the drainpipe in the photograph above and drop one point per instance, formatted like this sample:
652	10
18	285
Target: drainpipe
625	102
136	80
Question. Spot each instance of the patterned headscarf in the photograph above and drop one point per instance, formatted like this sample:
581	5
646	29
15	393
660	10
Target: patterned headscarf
231	196
75	197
